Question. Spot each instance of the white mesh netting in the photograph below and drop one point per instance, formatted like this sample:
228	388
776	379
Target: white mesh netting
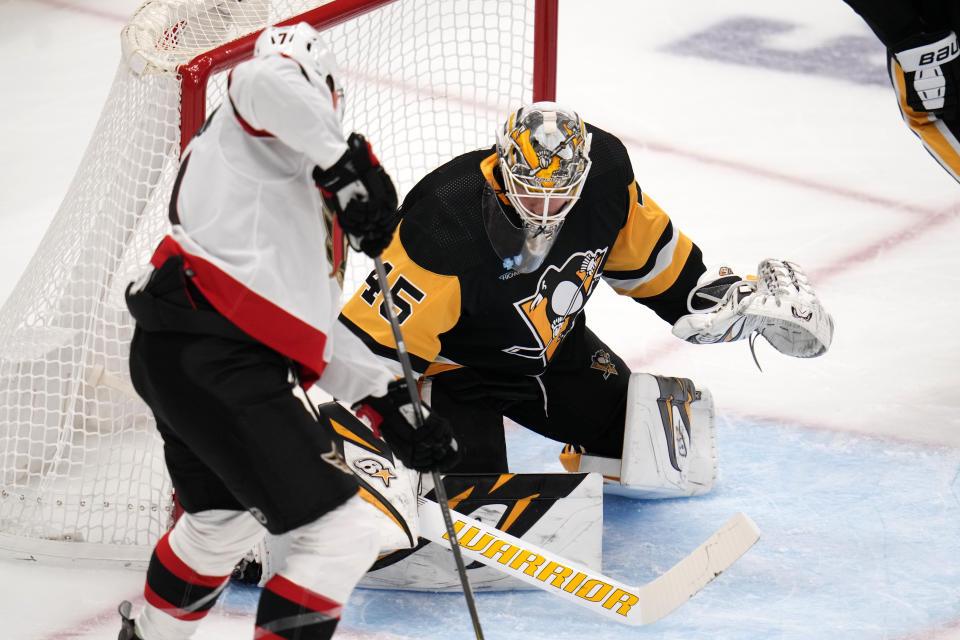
81	467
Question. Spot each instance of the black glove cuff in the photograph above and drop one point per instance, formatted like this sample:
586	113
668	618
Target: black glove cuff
336	177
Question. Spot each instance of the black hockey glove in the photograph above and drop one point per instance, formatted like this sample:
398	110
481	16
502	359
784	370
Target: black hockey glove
431	447
361	193
931	68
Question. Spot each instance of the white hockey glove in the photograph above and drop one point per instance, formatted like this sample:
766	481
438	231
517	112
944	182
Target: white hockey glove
931	66
780	305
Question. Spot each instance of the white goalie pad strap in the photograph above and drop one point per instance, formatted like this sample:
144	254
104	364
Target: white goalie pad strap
669	441
609	468
787	311
560	512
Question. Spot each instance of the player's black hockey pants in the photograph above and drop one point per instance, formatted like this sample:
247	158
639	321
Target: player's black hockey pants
581	399
235	437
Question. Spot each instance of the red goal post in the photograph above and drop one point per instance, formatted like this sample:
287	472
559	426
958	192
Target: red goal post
81	465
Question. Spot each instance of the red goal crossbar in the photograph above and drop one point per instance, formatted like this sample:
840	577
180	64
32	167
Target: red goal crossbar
196	73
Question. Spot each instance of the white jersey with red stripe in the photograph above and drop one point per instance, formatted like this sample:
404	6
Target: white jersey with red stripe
249	222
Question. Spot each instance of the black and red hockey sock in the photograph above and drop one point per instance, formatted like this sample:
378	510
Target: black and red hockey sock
288	611
176	589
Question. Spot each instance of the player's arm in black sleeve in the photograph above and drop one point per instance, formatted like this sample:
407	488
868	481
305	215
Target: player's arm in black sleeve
891	20
923	54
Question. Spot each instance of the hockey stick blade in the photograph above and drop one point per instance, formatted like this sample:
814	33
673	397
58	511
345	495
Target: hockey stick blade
586	587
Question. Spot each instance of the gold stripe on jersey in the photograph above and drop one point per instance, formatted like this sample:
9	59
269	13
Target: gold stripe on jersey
431	305
649	246
487	165
440	367
933	132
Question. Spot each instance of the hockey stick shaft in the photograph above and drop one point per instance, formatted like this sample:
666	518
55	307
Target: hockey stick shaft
439	489
614	600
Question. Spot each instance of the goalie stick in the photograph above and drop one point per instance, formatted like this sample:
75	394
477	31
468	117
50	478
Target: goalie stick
614	600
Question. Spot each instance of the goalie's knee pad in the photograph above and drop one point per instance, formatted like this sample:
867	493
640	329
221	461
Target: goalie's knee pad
669	442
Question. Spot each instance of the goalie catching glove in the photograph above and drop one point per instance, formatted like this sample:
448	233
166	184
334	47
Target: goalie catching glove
428	447
362	195
779	304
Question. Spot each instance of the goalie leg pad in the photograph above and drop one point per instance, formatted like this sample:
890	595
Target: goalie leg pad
669	442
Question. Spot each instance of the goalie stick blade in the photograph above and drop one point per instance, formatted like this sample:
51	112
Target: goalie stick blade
684	579
586	587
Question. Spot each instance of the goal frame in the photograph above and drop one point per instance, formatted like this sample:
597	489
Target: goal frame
194	78
196	73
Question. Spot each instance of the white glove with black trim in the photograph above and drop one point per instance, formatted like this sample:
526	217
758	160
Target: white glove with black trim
779	304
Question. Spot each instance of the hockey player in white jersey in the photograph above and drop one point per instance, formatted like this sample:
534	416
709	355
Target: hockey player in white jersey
237	315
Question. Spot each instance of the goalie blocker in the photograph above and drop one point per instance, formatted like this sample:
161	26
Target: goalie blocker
556	511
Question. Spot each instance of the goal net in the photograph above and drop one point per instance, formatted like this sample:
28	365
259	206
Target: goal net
82	474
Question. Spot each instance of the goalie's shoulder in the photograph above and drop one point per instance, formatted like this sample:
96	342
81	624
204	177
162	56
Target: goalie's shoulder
441	229
609	157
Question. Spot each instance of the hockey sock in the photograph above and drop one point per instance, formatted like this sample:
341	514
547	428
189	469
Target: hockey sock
178	597
288	611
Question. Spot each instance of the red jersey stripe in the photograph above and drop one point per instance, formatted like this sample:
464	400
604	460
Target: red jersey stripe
254	314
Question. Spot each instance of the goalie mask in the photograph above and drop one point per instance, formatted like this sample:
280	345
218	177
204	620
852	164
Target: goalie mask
543	155
305	45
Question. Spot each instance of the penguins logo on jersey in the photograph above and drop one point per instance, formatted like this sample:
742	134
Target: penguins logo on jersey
560	295
602	361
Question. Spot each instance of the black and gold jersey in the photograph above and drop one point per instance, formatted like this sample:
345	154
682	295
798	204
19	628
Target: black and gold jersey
895	20
906	25
459	304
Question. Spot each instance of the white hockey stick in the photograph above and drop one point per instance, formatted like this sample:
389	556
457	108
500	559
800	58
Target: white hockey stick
589	588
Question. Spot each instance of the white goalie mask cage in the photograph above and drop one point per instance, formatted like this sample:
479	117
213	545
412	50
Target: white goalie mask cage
544	154
543	151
